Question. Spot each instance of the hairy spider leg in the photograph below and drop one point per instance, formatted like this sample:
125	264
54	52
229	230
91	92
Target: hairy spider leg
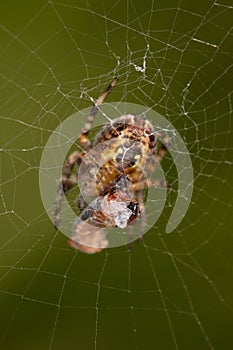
83	140
65	183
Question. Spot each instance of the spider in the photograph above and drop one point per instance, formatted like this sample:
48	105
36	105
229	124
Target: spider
116	167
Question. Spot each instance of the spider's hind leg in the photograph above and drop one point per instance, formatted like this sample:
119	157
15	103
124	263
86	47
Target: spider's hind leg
65	184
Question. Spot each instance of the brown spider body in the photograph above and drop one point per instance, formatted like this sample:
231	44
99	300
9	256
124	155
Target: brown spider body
123	148
113	173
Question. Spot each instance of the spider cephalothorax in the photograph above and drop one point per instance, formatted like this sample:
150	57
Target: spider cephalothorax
114	173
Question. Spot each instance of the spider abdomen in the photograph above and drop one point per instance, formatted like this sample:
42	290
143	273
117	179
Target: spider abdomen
122	148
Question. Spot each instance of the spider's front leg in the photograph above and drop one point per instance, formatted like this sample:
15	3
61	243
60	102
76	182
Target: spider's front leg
83	140
65	184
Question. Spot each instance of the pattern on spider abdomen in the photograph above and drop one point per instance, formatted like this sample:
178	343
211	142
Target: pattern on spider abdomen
124	147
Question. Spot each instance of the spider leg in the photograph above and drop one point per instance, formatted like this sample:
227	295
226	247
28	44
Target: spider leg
142	216
142	225
65	184
139	186
129	236
81	204
163	149
130	229
83	140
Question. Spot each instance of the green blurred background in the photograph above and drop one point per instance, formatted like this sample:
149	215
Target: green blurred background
173	291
